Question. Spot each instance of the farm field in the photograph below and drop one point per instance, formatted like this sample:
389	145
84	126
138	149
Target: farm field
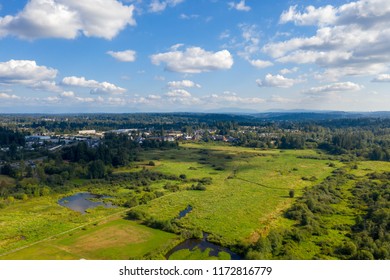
247	195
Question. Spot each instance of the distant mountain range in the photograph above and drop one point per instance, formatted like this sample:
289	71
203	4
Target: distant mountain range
237	114
319	115
299	114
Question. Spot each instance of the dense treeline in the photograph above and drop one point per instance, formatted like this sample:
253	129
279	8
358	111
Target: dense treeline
358	135
9	137
115	150
371	233
11	140
79	161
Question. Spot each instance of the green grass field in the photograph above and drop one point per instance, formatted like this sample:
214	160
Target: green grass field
114	239
29	221
248	192
247	196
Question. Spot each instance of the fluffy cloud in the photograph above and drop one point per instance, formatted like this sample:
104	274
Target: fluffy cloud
28	73
240	6
46	86
145	100
362	12
154	97
95	86
312	16
251	41
67	94
183	84
319	57
362	68
157	6
277	81
124	56
248	46
50	99
258	63
178	93
332	88
351	39
8	96
194	60
70	96
181	97
230	98
86	99
383	78
116	101
187	17
67	19
285	71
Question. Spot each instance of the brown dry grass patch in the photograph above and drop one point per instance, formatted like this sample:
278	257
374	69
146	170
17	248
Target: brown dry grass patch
109	237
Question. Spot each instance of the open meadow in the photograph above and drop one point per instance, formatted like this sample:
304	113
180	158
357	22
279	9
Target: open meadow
243	195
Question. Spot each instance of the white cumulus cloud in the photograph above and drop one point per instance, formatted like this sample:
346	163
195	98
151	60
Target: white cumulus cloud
285	71
258	63
312	16
68	19
230	98
183	84
351	39
26	72
157	6
85	99
335	87
240	6
46	86
95	86
383	78
8	96
194	60
124	56
277	81
178	93
67	94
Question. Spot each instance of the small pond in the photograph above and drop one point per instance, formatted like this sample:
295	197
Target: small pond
203	244
80	202
184	212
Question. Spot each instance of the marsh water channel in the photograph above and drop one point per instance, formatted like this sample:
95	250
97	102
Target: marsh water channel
80	202
201	244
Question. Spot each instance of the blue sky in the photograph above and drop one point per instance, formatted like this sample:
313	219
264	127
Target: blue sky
59	56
